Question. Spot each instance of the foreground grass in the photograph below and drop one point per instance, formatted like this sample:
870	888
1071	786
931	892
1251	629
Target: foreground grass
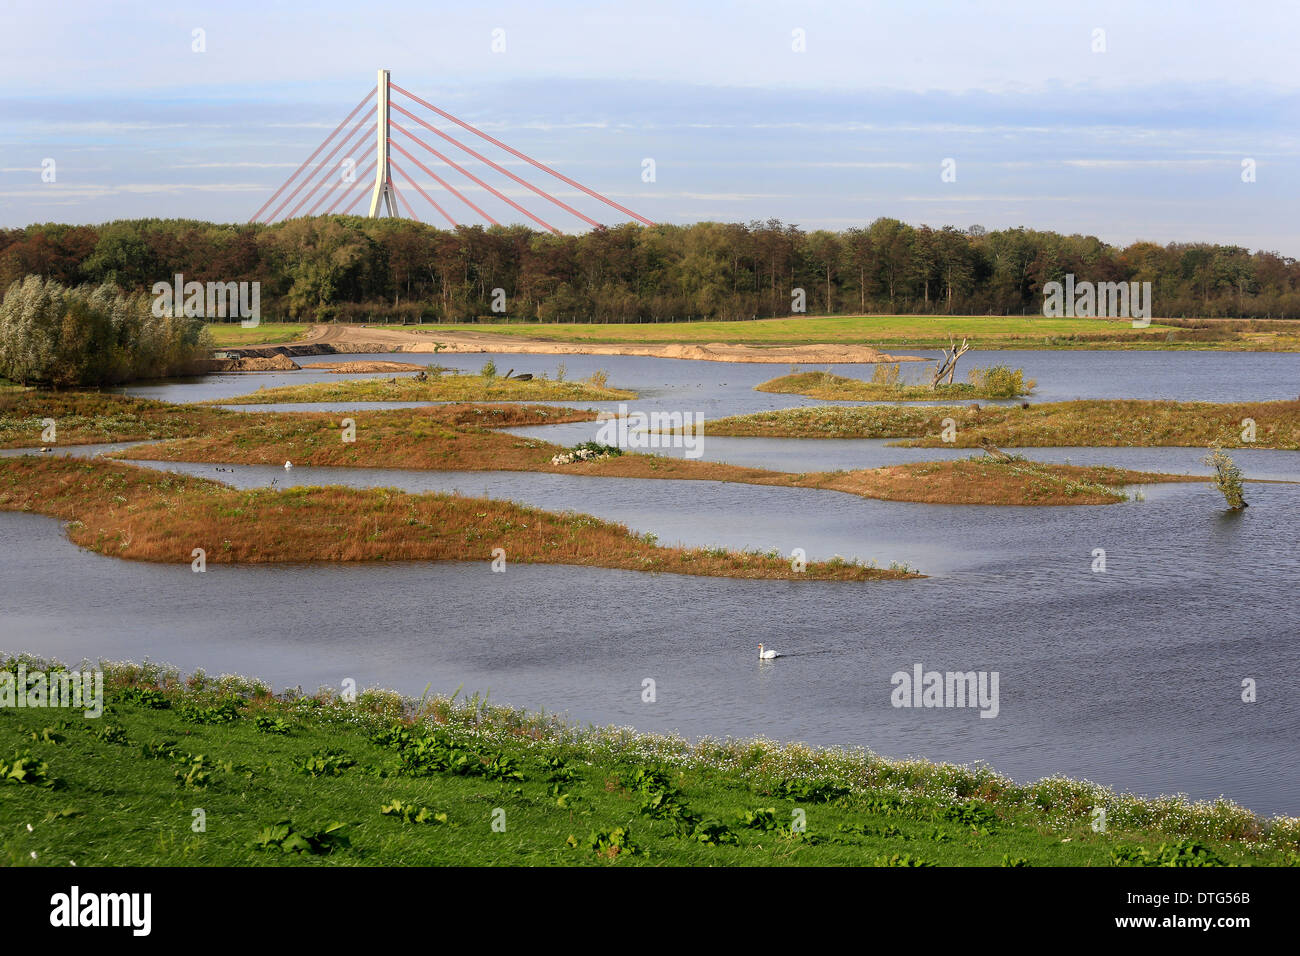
1093	422
437	388
124	790
826	385
420	439
144	514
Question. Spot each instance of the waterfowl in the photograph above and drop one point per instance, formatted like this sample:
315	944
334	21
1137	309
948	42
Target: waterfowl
288	465
766	655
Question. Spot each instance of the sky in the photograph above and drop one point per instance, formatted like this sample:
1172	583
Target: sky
1125	120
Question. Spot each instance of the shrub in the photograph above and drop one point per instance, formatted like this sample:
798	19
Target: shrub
51	334
1001	381
489	370
1227	477
886	374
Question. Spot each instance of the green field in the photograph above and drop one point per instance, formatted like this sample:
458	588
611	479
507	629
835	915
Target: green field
294	779
916	331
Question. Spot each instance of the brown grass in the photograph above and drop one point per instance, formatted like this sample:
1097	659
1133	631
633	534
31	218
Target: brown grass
989	482
86	417
142	514
1094	423
419	440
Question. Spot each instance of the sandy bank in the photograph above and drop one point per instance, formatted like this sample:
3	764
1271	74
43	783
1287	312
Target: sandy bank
322	339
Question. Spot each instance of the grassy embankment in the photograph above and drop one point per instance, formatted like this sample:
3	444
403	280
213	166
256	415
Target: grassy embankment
143	514
388	781
1002	383
436	388
915	331
1101	423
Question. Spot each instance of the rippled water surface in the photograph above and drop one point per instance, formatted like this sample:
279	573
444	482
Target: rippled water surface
1131	677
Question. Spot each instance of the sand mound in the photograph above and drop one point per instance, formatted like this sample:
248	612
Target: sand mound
349	367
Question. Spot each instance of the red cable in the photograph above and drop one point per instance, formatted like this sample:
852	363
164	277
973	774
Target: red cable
347	192
362	195
515	152
402	200
427	197
500	169
465	172
441	182
313	155
334	188
325	165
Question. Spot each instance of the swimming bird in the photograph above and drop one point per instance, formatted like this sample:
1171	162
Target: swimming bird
288	465
766	655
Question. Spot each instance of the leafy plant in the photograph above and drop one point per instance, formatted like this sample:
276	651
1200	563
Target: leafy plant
27	769
326	763
610	844
897	859
763	818
809	791
489	370
410	813
270	725
1182	853
145	697
501	767
111	734
223	713
282	835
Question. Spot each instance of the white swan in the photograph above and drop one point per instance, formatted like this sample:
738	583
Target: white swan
288	465
766	655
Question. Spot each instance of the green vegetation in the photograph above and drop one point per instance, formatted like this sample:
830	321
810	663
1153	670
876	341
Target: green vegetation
487	386
443	781
1227	477
351	268
67	337
991	383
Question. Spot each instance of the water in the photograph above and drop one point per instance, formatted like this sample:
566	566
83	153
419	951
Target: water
1130	677
727	388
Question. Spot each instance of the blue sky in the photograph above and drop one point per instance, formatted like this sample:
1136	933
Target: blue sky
1142	141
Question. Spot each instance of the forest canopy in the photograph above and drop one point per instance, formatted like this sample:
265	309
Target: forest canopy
352	268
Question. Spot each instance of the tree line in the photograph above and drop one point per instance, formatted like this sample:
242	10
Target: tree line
352	268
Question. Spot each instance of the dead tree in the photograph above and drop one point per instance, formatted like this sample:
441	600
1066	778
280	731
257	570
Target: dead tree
948	366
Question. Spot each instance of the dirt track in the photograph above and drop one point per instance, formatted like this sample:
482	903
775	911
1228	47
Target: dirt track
323	339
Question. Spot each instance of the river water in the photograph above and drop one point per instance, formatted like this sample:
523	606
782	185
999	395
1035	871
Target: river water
1131	677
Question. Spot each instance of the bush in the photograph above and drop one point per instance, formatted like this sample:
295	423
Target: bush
489	369
51	334
1001	381
1227	477
886	374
